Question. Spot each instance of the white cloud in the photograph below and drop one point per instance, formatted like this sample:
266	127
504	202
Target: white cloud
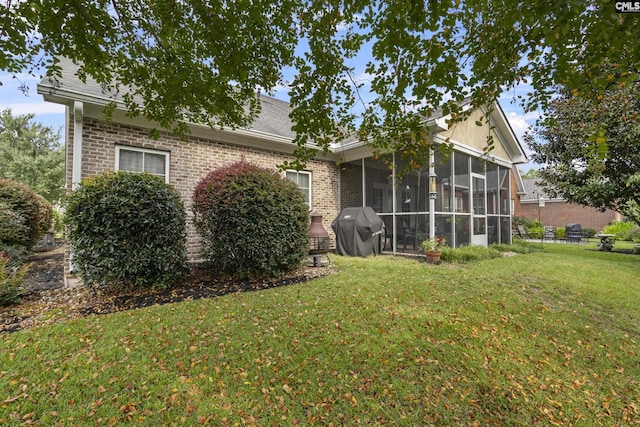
363	78
12	97
520	123
345	25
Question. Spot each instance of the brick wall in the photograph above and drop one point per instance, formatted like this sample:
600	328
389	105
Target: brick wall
190	161
514	194
351	185
560	213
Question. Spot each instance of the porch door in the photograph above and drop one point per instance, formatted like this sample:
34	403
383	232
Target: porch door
479	212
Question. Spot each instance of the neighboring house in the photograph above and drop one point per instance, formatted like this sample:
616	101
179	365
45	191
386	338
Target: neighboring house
557	212
475	195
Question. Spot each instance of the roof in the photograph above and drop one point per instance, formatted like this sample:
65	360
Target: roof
273	118
504	127
533	190
272	124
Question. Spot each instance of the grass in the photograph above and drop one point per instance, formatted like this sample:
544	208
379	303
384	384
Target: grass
547	338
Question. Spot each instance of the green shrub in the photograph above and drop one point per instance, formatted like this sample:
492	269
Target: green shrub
15	255
633	234
253	222
24	215
621	229
626	231
527	222
58	223
468	254
127	229
520	247
535	232
11	278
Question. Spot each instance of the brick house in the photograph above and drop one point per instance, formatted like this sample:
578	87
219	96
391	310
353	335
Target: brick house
474	195
557	212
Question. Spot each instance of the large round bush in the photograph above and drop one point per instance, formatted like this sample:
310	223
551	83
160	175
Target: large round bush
24	215
253	222
127	229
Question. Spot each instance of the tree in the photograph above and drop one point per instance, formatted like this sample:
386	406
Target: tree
31	153
203	61
598	170
531	173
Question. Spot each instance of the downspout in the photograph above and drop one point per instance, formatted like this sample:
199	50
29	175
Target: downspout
76	164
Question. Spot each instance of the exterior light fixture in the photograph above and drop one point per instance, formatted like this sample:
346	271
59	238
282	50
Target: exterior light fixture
433	186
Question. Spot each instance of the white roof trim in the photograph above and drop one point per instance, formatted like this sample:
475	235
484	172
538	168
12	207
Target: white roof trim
67	97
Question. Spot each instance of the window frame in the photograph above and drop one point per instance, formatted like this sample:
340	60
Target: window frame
297	182
166	155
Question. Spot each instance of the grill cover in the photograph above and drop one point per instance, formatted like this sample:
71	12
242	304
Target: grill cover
357	232
573	233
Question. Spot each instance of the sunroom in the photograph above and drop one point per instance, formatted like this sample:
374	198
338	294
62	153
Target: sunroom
465	196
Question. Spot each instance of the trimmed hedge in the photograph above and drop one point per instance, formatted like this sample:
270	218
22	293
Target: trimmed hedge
24	215
253	222
127	229
11	278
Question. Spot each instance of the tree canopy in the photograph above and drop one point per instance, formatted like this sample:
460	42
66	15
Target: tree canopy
566	144
204	61
31	154
531	173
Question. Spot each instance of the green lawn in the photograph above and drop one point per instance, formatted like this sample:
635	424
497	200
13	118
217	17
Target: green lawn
547	338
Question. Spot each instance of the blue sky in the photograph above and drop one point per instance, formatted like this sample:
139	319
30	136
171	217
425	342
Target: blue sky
11	97
52	115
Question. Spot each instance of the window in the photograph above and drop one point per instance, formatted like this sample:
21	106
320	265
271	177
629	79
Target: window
303	180
135	159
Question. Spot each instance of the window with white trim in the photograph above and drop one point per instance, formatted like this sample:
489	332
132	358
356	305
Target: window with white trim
134	159
303	180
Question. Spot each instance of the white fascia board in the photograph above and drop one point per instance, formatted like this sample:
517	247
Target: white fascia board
505	132
239	136
67	97
355	149
519	181
458	146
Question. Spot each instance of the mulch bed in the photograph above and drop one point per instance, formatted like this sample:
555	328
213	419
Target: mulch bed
47	300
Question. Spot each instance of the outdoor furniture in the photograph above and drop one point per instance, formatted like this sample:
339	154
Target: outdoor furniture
408	235
523	232
549	233
584	236
606	242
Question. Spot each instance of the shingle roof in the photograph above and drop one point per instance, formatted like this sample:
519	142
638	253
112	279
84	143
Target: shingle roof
533	190
273	119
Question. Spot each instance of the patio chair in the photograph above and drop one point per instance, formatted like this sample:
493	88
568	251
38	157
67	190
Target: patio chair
584	236
408	235
523	232
549	233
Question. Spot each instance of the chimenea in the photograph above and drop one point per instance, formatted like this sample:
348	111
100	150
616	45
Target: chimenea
319	239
